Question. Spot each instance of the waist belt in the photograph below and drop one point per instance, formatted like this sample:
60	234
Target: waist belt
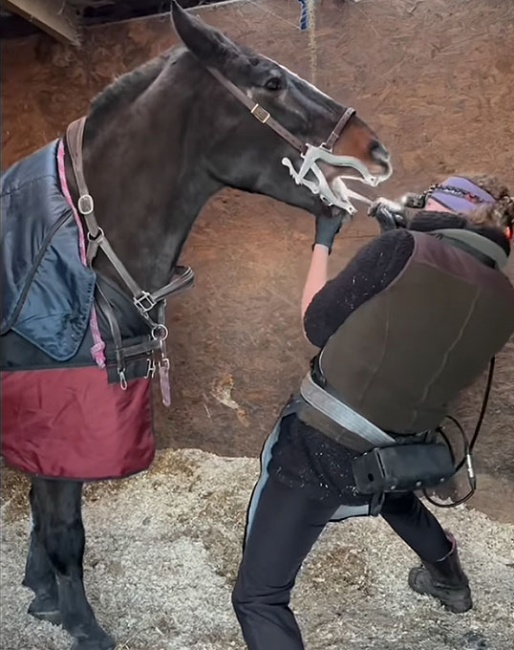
331	409
320	409
384	466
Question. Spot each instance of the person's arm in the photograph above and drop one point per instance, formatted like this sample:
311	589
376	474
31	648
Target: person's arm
326	230
316	276
370	271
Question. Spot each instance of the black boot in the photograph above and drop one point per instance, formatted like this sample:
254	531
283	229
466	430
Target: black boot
444	580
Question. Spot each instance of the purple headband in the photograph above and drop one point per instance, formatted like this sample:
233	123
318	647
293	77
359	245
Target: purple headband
467	197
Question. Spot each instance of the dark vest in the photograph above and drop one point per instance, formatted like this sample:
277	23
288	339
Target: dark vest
402	357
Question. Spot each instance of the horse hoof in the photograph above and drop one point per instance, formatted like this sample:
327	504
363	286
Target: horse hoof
105	642
45	610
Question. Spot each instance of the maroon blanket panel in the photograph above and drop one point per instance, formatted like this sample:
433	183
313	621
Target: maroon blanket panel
72	424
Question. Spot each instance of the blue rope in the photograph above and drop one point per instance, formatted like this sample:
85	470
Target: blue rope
304	16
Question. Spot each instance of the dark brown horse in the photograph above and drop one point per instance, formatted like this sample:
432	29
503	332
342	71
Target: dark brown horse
157	144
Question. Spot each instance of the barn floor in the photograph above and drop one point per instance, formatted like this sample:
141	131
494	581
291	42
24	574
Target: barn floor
436	80
164	547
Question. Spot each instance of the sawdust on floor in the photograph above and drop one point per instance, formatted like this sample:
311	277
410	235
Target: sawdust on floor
163	550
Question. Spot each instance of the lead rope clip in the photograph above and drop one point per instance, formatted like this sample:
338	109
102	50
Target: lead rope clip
123	379
164	381
160	333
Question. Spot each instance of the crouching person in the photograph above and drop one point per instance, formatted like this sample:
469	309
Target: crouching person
413	319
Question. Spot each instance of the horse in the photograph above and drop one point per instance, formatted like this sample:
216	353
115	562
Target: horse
125	185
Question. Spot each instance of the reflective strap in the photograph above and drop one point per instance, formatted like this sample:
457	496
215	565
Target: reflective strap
476	241
342	414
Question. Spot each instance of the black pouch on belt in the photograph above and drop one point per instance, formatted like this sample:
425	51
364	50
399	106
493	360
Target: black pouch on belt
403	468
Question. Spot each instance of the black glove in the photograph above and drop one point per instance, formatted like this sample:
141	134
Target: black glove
389	215
326	230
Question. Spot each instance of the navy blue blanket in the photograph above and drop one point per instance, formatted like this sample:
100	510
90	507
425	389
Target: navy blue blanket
47	292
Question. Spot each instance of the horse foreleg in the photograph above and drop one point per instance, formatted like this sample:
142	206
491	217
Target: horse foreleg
39	573
62	535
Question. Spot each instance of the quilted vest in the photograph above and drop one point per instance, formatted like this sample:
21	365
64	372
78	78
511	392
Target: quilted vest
401	358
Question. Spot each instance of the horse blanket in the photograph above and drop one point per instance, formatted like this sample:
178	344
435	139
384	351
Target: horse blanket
64	412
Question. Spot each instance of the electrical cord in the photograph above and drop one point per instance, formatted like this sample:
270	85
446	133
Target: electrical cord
468	447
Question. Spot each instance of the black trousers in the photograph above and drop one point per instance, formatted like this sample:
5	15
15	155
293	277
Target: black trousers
283	525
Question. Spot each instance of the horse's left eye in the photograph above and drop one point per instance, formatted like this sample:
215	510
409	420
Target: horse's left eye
274	83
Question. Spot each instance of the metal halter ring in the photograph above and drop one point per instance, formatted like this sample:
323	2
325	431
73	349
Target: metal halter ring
160	332
96	238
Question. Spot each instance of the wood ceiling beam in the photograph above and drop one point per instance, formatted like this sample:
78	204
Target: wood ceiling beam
53	16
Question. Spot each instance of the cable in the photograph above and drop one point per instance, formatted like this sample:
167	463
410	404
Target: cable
468	447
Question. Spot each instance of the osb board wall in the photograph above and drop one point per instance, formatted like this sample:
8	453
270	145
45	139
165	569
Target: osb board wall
435	78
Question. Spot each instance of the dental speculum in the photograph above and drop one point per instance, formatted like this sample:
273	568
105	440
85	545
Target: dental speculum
322	187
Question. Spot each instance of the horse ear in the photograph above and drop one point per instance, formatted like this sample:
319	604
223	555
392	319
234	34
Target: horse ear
208	44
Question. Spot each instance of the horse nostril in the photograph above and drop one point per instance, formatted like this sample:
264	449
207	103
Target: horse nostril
379	153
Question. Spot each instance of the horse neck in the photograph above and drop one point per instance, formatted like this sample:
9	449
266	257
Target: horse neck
147	183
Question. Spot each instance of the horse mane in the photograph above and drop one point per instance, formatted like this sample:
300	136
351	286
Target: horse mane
128	87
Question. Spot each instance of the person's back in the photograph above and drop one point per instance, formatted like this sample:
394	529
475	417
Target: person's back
407	352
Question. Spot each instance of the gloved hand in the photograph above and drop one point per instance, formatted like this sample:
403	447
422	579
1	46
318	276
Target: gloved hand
327	229
390	215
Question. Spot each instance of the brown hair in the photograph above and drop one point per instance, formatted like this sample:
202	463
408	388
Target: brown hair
501	214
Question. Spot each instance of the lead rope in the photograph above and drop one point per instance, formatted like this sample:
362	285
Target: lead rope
313	49
308	21
468	446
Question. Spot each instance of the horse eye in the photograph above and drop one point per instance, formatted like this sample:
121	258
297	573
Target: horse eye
275	83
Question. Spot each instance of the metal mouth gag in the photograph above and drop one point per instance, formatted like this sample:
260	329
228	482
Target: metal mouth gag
342	195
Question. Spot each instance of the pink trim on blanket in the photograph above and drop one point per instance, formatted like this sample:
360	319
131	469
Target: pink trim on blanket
97	350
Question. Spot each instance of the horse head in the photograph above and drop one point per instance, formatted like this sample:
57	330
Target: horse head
271	132
164	138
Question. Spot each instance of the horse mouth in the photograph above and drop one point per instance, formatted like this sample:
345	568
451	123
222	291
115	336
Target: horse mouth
342	179
345	191
330	181
380	171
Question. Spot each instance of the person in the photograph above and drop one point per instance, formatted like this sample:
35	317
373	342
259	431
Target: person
413	319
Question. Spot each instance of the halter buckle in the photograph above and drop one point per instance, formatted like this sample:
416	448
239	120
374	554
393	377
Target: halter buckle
144	302
85	204
260	113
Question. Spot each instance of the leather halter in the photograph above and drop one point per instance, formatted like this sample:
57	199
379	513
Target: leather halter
144	301
264	117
